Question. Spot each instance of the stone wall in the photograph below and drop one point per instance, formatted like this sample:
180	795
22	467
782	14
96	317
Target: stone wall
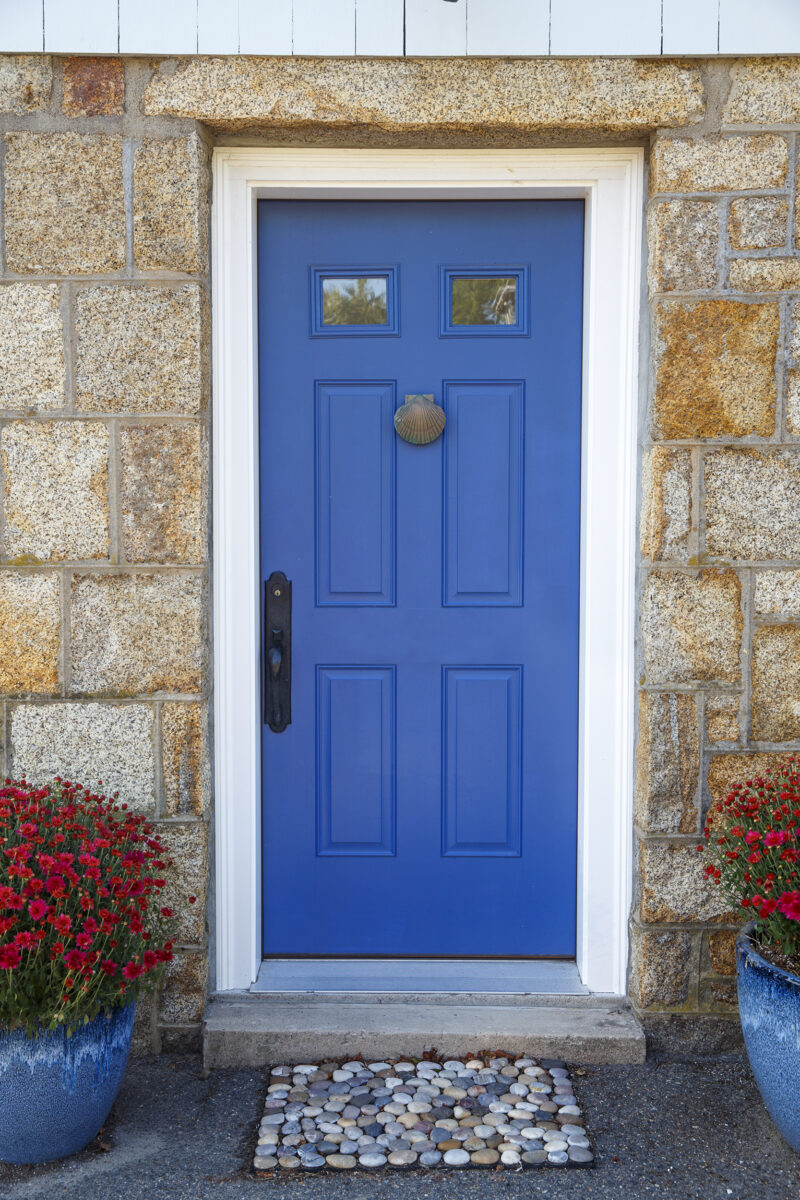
104	415
720	528
103	465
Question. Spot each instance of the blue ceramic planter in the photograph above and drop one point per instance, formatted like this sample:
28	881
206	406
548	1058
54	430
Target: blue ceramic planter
769	1008
56	1092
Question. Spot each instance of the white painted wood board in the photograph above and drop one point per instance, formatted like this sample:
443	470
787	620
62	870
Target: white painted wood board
94	31
392	28
327	28
217	26
586	27
517	27
690	27
21	26
379	27
157	26
765	27
265	26
436	27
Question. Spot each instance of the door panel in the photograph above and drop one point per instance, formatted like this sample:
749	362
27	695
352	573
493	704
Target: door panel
482	761
483	493
423	800
356	775
355	494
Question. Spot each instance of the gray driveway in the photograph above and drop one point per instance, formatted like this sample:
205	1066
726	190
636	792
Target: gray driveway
675	1131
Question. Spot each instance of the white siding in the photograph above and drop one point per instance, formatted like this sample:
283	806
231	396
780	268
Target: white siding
690	27
610	27
21	25
508	27
155	26
747	27
436	27
379	28
265	26
324	28
217	27
95	33
396	27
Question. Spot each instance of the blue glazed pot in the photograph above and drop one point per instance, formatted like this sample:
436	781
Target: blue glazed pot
769	1008
55	1091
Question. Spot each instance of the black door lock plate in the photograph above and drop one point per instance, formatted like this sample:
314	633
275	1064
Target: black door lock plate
278	652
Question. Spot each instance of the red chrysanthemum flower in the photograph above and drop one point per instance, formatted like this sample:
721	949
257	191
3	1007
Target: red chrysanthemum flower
10	957
76	870
789	905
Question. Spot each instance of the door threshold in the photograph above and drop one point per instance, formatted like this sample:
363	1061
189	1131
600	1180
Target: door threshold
381	976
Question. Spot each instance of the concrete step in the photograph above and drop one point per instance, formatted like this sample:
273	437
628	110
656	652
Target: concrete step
257	1030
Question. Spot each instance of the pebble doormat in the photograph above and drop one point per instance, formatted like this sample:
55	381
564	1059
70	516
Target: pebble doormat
494	1111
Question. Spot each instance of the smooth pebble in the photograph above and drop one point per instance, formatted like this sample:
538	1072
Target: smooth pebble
402	1158
265	1162
372	1160
457	1113
557	1158
580	1154
456	1158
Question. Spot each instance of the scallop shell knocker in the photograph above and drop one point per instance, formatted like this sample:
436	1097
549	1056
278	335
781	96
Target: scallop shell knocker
419	420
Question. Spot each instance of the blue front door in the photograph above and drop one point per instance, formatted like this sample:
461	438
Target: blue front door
423	799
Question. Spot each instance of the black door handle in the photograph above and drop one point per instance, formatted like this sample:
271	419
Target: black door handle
278	652
275	662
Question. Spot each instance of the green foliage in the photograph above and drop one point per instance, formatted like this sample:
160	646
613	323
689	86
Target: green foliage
484	301
360	301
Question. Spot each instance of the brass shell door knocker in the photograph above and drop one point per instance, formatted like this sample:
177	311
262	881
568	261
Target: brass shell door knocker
419	421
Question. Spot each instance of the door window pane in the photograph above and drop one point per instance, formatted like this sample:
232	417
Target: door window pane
483	300
354	300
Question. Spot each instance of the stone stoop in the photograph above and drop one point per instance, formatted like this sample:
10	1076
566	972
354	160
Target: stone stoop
247	1030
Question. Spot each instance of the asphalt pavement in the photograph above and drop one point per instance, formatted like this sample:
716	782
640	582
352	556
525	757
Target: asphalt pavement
672	1130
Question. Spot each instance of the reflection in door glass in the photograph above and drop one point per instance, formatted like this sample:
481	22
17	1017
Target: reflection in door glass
354	300
483	300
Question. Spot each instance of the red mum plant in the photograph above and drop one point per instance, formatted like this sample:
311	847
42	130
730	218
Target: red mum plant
753	844
82	925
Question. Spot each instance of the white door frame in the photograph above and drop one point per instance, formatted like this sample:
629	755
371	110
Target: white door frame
611	182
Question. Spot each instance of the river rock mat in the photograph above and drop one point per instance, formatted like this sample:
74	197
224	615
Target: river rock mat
493	1111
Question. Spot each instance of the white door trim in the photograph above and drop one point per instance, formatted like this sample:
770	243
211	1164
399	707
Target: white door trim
611	180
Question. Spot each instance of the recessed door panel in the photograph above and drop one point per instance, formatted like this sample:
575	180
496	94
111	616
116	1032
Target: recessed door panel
355	494
484	501
355	760
482	761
